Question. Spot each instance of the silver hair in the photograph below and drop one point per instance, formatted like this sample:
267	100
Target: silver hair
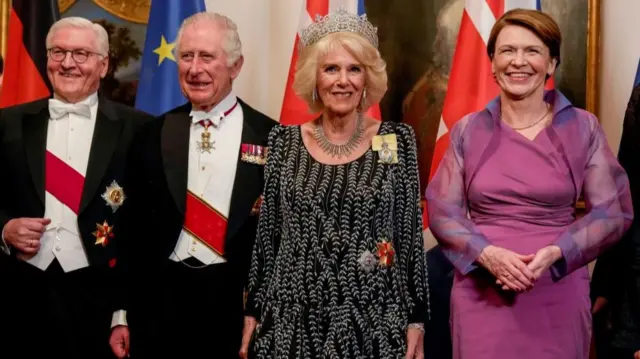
102	38
232	45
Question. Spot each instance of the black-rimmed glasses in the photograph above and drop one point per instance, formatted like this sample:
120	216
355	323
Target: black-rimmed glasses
79	56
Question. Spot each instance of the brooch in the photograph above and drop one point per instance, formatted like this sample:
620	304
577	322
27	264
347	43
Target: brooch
103	233
367	261
387	148
385	253
254	154
114	196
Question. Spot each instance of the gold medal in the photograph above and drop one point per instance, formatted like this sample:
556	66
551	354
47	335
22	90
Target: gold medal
103	233
205	145
385	253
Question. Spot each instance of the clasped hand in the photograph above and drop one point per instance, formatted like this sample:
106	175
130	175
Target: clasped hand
23	234
515	271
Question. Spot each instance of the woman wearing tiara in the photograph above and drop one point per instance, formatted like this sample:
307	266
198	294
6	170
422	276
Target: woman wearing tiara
338	268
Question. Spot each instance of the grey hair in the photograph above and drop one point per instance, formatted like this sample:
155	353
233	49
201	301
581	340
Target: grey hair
102	38
232	44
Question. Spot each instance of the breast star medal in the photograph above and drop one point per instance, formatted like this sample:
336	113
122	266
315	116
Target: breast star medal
385	253
205	145
367	261
114	196
103	233
387	148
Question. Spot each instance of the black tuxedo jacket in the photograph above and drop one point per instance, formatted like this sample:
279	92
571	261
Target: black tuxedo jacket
23	142
157	201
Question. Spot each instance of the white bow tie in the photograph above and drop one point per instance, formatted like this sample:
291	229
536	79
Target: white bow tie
57	109
214	116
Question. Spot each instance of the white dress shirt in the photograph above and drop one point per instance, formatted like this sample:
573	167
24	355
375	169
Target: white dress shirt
210	177
68	138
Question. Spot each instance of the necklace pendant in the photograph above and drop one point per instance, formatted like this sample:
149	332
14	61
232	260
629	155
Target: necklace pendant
205	145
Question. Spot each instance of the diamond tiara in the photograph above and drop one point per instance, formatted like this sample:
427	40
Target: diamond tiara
339	21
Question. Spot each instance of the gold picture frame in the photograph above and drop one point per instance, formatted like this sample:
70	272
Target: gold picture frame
593	55
593	64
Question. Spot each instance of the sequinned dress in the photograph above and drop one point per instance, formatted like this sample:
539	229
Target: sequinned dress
338	268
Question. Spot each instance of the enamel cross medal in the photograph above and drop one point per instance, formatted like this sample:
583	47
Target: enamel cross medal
206	145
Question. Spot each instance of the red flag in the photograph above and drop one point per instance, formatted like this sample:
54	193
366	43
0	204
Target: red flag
294	110
471	85
25	76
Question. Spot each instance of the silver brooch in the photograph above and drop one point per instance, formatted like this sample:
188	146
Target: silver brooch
368	261
114	196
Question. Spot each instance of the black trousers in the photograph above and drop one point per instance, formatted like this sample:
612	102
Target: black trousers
186	313
55	314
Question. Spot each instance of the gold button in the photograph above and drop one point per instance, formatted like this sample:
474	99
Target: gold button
194	242
193	249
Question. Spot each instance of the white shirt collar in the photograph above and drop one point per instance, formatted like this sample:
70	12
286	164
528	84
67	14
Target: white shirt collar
90	100
217	112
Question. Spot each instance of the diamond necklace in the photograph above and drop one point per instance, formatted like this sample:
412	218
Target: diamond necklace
343	149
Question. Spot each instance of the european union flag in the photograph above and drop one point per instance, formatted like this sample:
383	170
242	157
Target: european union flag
158	87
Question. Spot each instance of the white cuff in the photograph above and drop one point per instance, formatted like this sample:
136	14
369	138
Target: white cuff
119	318
4	246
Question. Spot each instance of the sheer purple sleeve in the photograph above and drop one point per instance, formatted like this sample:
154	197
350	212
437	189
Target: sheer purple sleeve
609	209
446	199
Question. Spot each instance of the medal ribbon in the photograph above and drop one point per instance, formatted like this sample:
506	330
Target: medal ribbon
206	122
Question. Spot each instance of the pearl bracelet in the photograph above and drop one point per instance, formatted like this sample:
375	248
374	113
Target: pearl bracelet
419	326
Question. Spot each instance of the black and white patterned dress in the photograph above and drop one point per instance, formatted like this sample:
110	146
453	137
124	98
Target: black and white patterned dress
317	285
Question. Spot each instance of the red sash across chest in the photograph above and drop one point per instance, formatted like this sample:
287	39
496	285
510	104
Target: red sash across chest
63	182
201	220
205	223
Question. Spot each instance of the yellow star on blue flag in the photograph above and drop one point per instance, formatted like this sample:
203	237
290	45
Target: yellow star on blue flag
158	89
165	51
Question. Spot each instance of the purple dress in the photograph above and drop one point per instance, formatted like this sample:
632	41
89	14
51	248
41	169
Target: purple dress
520	195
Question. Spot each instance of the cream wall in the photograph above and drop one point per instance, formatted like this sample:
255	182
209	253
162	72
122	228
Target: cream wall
620	50
267	30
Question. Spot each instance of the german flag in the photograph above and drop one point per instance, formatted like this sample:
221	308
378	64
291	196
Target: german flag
25	70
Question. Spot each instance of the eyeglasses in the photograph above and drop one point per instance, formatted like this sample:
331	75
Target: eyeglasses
79	56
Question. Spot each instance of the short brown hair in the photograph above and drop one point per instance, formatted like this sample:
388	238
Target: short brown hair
538	22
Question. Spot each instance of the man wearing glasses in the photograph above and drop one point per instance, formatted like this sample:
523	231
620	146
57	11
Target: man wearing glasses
61	192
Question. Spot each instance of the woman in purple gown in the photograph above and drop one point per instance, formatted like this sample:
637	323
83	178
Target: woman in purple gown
502	205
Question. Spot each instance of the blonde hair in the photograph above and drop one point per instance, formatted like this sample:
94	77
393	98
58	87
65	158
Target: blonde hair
232	45
305	79
102	38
